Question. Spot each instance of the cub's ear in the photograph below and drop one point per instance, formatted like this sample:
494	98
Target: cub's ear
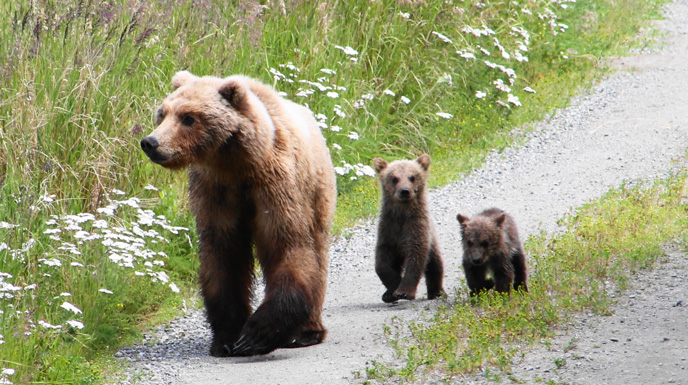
424	161
462	219
379	164
235	91
181	78
499	221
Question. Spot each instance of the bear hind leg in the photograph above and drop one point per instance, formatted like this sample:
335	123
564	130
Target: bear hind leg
518	260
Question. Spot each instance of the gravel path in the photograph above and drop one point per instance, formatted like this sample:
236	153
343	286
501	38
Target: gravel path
628	127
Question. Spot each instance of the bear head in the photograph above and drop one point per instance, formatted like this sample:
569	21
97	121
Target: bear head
403	180
482	236
198	117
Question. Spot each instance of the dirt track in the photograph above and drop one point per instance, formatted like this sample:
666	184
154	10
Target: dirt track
631	126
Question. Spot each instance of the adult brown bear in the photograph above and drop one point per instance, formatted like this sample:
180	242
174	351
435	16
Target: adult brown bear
260	178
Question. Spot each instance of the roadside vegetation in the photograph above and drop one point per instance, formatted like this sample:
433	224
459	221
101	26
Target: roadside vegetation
97	243
605	243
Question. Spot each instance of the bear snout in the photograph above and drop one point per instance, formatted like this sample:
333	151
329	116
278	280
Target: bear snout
404	194
149	144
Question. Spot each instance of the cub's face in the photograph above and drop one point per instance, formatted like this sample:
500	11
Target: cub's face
403	180
192	122
481	236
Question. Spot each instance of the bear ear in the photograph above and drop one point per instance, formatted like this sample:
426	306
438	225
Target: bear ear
181	78
424	161
462	219
234	91
499	221
379	164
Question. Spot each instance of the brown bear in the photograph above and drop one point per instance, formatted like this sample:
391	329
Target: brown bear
260	180
407	245
491	244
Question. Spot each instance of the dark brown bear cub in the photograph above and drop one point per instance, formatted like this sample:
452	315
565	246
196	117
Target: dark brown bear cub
491	244
406	242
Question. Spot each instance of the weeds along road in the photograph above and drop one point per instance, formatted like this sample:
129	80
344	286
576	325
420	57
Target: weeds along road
630	126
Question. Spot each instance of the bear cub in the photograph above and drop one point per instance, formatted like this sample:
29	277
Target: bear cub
491	244
407	245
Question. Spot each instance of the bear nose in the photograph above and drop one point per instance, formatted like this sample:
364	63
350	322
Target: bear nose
149	144
404	193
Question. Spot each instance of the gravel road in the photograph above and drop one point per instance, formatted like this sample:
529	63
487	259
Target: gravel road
628	127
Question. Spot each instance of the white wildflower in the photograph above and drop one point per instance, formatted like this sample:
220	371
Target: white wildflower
335	128
405	15
174	287
347	50
480	94
75	324
118	192
389	92
52	231
106	291
513	100
328	71
442	37
69	307
336	146
499	84
49	326
353	135
150	187
405	100
528	89
50	262
465	55
5	225
444	115
332	95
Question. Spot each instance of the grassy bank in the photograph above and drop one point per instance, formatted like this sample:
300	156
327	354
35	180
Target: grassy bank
95	240
606	242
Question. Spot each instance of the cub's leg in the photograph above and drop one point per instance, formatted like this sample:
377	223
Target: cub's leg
434	273
518	260
476	277
388	264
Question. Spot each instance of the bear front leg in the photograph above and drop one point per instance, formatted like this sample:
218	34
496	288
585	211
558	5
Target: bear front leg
518	260
388	267
476	278
434	273
414	267
226	278
287	306
503	273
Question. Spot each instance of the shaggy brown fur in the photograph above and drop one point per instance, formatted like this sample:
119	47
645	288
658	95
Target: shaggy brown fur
406	242
260	176
491	244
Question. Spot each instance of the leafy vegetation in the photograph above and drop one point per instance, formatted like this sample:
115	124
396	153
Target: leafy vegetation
88	249
606	242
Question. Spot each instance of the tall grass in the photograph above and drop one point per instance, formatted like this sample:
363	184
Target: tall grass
79	80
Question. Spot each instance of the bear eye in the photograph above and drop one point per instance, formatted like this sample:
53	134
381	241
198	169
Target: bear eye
412	179
470	243
395	180
159	117
483	244
188	120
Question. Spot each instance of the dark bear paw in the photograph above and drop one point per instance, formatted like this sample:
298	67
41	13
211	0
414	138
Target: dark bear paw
404	295
220	349
437	294
389	297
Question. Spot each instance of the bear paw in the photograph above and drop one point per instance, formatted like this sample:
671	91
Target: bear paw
404	295
389	297
220	349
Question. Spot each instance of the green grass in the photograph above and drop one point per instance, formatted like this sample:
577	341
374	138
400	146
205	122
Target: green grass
80	80
606	242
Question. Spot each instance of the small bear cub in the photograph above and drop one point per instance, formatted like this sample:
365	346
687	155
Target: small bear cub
491	244
407	245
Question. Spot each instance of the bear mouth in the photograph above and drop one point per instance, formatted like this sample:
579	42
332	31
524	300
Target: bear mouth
159	158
